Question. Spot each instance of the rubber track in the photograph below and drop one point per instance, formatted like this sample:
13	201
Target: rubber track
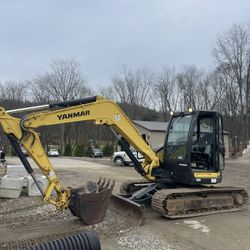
161	197
124	187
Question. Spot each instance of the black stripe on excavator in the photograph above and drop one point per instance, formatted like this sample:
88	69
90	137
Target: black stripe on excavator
125	146
72	102
15	145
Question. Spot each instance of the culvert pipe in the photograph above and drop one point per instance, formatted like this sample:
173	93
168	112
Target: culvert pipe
81	241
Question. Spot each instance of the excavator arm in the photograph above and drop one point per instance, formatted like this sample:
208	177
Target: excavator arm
97	109
30	140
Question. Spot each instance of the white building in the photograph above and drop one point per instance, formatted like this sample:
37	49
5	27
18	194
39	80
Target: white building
155	131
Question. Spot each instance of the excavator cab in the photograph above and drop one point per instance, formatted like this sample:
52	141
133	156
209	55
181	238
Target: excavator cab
194	148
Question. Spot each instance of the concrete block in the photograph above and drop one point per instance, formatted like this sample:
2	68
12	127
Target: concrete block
16	170
11	187
32	188
2	170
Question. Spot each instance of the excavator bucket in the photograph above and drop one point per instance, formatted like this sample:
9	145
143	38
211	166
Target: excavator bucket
132	211
90	201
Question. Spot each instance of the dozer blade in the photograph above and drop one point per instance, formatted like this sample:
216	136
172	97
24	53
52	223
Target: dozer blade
90	201
129	209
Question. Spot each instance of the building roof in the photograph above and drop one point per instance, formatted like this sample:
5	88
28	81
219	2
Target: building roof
152	126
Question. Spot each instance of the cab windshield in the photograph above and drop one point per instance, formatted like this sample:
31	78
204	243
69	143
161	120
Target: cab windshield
176	146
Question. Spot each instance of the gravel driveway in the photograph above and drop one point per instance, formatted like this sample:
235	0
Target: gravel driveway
27	220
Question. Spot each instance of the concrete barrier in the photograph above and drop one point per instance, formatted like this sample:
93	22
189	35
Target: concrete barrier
16	178
32	188
16	170
11	187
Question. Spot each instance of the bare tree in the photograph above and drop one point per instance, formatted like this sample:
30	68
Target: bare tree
211	90
107	92
134	88
165	89
189	81
248	100
40	89
14	91
63	82
248	88
231	52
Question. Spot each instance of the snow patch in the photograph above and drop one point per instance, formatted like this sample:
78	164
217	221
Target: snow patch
197	225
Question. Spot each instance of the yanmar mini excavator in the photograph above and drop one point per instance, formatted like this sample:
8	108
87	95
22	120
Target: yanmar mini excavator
178	179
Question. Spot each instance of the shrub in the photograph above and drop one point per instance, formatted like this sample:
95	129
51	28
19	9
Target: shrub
68	150
79	150
108	150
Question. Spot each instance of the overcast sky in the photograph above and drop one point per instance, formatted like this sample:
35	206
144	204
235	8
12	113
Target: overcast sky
104	35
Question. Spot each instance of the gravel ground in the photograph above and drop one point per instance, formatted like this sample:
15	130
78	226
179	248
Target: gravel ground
28	220
137	240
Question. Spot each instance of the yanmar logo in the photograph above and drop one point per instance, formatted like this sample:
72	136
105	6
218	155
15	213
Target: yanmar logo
73	115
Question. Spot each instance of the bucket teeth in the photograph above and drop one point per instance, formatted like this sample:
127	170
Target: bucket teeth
104	183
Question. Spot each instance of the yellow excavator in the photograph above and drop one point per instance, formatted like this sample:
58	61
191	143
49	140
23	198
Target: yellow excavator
178	180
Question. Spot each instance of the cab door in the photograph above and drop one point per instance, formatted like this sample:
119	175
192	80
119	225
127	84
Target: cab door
177	146
220	147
